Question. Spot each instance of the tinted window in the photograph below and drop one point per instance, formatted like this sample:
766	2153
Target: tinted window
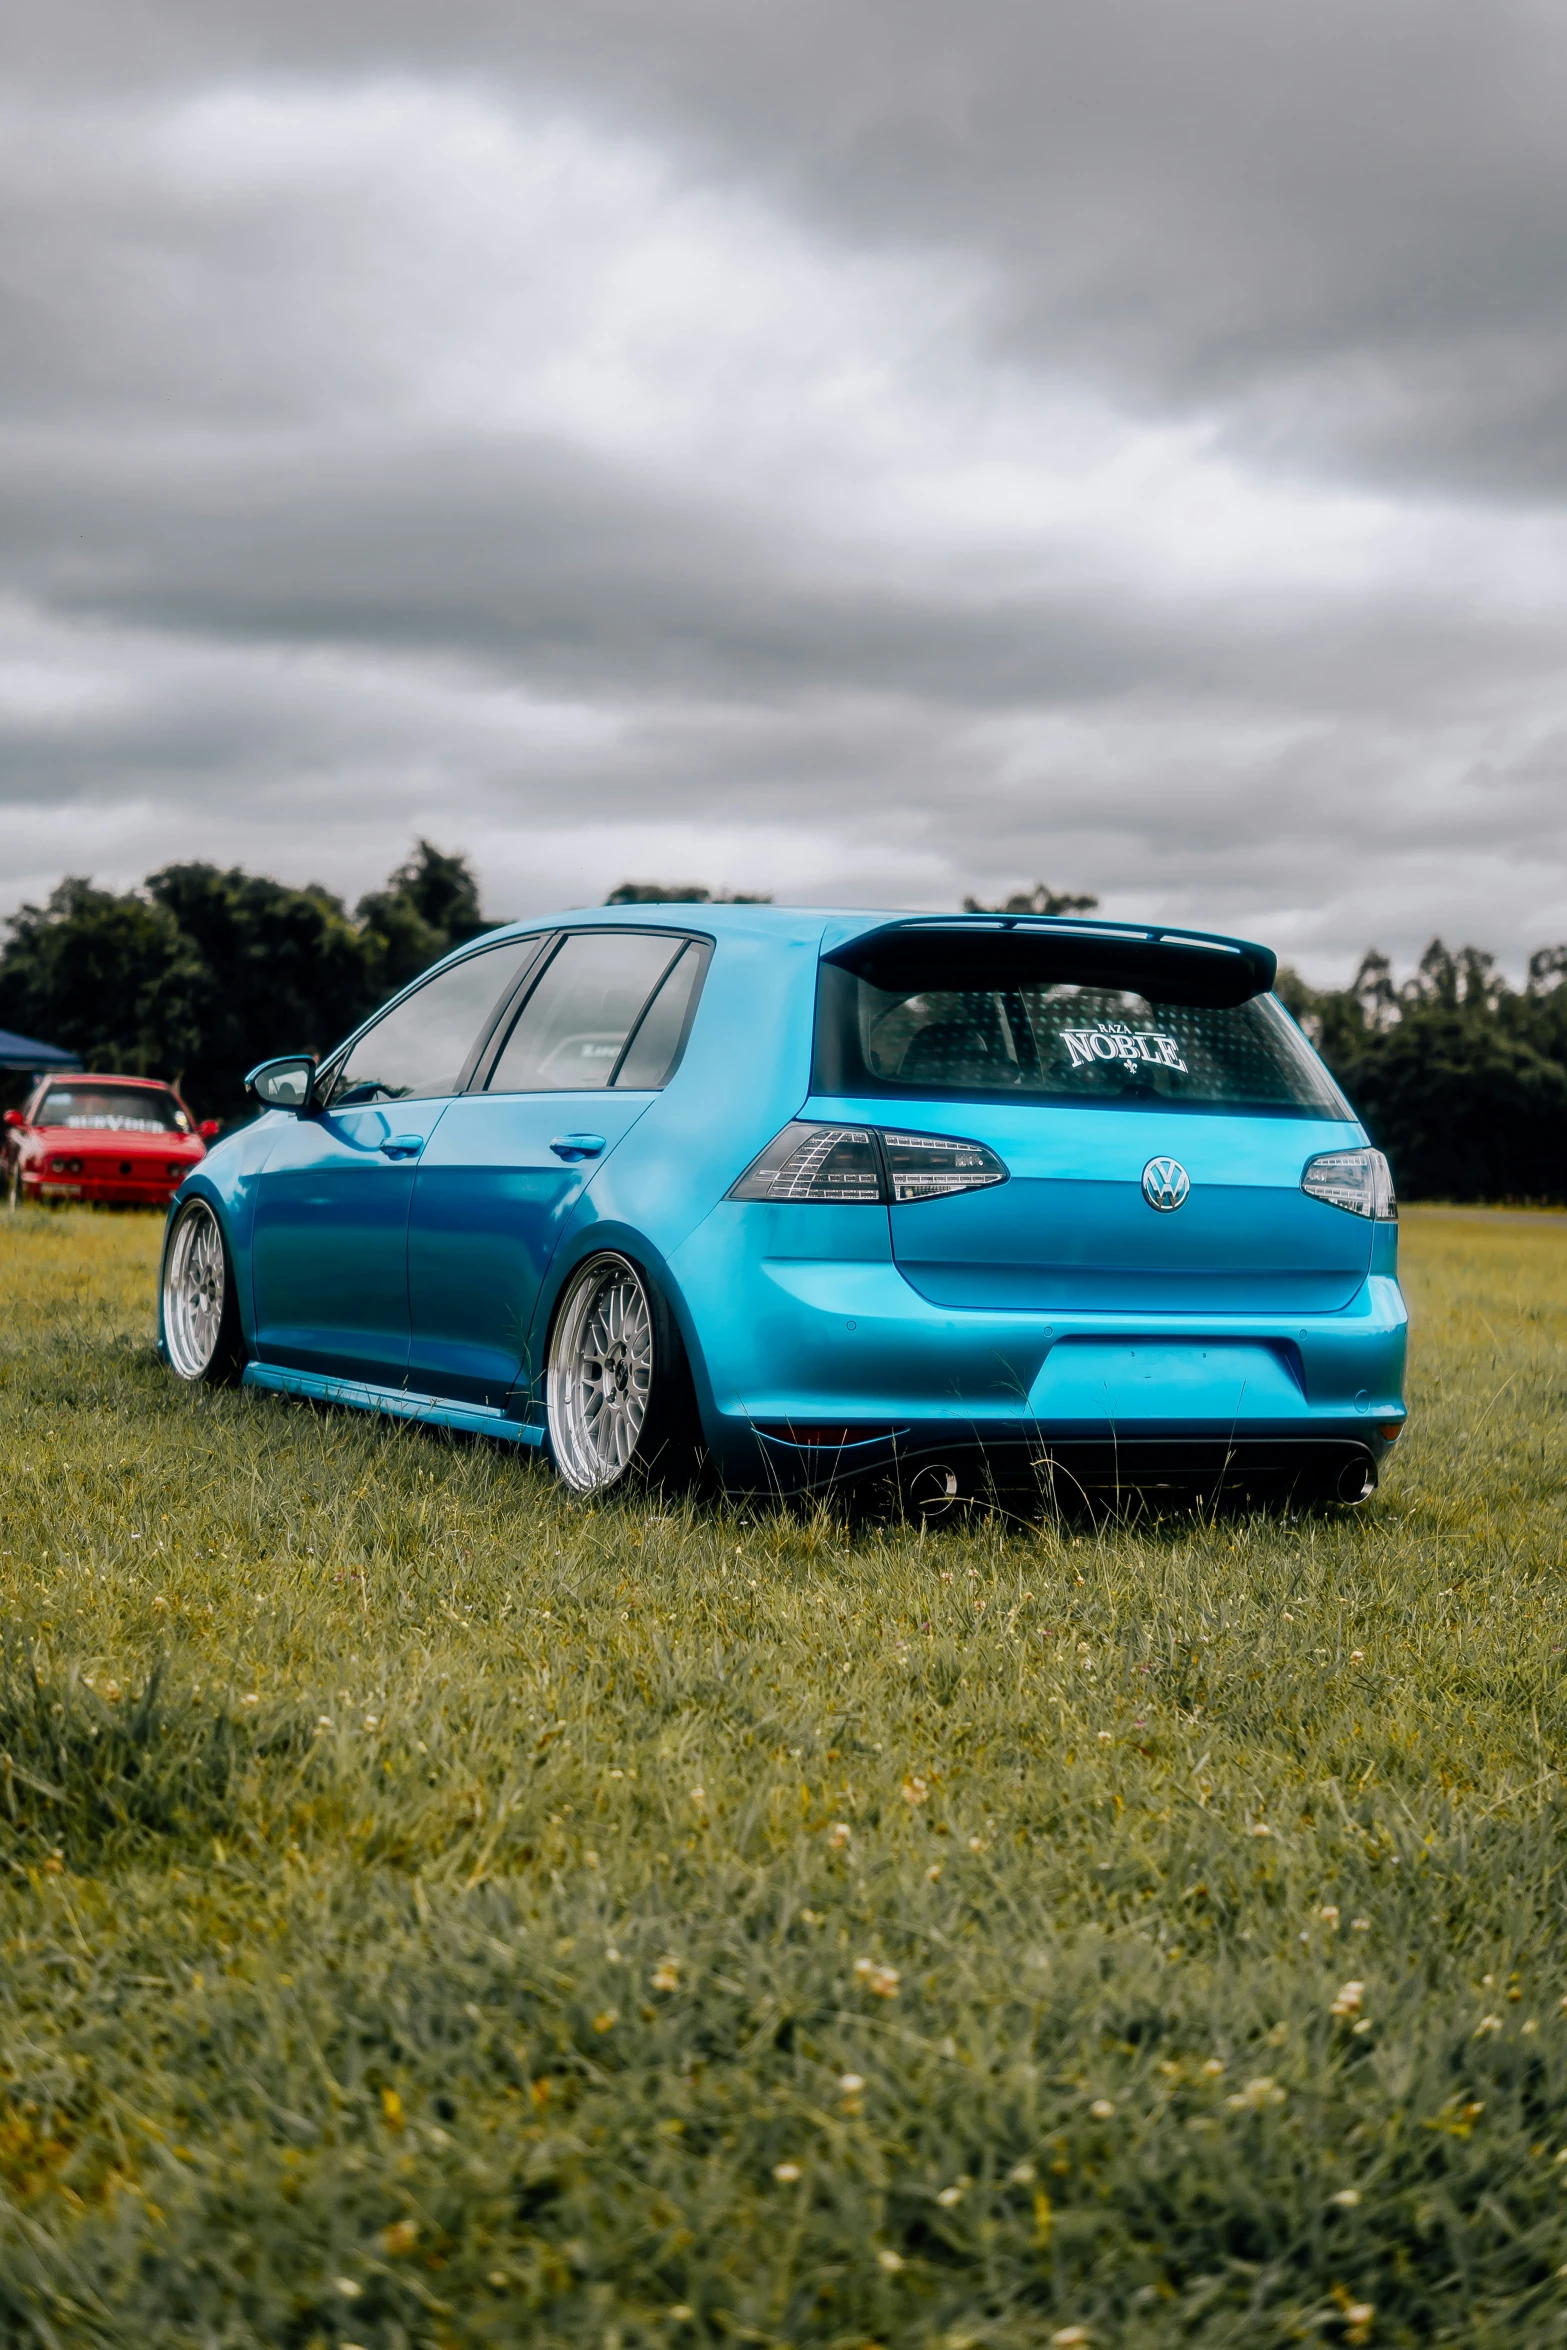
420	1047
650	1055
123	1109
1069	1042
571	1032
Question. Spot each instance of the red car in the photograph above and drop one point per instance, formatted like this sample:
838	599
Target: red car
125	1141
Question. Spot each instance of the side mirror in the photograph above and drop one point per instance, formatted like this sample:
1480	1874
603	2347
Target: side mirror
15	1118
210	1129
283	1084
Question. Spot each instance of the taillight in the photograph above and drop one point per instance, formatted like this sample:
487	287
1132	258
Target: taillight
932	1166
822	1164
815	1163
1359	1181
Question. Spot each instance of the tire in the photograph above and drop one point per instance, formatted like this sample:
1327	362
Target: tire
199	1312
618	1394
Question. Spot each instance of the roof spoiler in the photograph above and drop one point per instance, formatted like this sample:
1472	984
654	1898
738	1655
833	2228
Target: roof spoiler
999	951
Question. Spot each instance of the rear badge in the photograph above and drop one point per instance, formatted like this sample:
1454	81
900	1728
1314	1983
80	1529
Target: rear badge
1165	1184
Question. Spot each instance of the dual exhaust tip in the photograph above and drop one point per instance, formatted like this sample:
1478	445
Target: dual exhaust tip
931	1488
936	1487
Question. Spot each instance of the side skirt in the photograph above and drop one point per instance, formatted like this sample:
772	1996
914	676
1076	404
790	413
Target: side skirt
432	1411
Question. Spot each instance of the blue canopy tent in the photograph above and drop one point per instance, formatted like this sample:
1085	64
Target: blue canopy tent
25	1052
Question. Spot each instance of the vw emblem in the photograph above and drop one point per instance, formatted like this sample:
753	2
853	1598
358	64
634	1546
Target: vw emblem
1165	1184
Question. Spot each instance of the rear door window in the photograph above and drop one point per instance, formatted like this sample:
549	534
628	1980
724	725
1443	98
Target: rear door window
421	1048
594	1013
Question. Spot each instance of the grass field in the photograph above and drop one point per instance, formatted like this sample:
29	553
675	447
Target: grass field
435	1911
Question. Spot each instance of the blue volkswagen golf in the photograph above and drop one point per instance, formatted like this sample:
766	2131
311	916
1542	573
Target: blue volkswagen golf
812	1194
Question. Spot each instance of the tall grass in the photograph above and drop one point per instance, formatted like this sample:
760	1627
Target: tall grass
436	1911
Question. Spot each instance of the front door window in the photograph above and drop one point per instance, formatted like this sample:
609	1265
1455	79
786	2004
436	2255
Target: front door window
419	1050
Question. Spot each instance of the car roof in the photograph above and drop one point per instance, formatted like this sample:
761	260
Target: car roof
834	926
108	1077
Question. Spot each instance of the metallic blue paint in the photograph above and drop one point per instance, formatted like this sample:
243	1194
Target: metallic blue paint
329	1252
1053	1306
491	1201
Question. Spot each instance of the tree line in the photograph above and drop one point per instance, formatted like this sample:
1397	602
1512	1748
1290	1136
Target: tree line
1459	1076
204	971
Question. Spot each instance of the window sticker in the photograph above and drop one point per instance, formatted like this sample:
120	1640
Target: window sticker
116	1125
1113	1040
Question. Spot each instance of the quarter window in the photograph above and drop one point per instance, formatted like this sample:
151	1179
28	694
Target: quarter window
649	1057
572	1032
421	1047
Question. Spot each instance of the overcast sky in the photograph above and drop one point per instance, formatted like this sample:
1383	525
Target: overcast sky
859	449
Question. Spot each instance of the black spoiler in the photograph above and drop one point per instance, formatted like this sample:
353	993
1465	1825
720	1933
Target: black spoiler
1164	966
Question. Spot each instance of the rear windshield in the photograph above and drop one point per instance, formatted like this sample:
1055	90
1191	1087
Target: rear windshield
1066	1041
121	1109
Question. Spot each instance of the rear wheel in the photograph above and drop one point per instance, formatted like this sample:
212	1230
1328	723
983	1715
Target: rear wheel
617	1388
201	1332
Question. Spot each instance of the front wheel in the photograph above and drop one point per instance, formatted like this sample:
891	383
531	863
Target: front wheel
201	1332
617	1388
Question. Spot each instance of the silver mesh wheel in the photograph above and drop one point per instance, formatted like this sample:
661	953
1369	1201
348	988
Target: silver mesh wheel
600	1378
194	1286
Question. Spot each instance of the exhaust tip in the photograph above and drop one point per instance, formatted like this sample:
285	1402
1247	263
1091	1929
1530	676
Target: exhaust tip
1357	1481
934	1490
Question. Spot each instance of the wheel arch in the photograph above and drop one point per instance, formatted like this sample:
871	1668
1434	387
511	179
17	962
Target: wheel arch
196	1187
623	1240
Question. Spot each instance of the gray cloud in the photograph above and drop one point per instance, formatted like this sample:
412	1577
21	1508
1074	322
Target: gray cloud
870	452
1350	221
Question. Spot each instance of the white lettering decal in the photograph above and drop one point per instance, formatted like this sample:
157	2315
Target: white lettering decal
114	1125
1113	1041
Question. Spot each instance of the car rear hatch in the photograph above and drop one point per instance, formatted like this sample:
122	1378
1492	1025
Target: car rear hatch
1153	1105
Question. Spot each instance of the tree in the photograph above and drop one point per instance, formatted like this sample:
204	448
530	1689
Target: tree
1041	899
683	893
271	969
1462	1081
429	906
206	970
100	973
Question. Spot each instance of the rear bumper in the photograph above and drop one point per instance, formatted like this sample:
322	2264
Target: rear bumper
801	1354
937	1465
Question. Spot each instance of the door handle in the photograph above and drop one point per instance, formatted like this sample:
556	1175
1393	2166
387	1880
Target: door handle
577	1146
401	1146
